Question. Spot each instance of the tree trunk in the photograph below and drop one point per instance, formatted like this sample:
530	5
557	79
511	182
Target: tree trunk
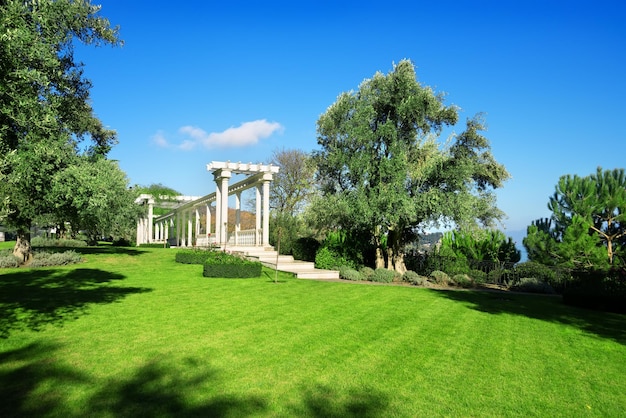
23	249
395	255
380	257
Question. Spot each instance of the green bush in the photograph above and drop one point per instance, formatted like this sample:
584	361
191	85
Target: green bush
382	275
599	290
440	277
414	278
46	259
348	273
194	256
305	248
41	242
155	245
9	260
535	270
532	285
230	267
463	280
367	273
328	259
122	242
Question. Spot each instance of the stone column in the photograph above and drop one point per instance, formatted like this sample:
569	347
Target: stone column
189	230
221	210
150	220
208	219
258	214
237	216
197	228
179	240
266	209
166	231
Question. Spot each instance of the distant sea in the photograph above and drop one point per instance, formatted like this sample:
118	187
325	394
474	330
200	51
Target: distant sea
517	237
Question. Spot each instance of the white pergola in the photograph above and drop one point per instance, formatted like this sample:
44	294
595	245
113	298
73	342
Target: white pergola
184	221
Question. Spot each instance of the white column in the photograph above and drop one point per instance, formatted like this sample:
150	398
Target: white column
197	229
224	176
150	220
258	215
218	210
166	231
208	219
237	216
189	230
266	211
179	240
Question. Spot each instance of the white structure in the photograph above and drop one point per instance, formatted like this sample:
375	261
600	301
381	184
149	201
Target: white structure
181	227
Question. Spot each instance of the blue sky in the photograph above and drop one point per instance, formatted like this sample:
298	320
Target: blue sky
197	82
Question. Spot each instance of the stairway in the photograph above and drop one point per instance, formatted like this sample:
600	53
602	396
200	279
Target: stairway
270	258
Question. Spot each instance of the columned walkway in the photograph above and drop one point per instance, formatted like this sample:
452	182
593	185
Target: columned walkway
182	227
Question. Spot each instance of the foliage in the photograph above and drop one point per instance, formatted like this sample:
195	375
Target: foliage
382	172
40	242
440	277
192	256
463	280
599	290
94	197
383	275
328	259
532	285
480	245
45	106
224	265
49	259
587	229
305	248
8	260
348	273
538	271
155	245
414	278
122	242
294	183
367	273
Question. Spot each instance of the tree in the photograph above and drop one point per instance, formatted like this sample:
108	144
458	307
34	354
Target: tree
94	197
44	101
587	228
291	190
382	171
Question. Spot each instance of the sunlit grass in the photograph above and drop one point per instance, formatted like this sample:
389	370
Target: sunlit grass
133	333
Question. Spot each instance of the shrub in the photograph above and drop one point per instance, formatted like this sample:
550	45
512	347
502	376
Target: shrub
382	275
535	270
604	291
223	265
9	260
367	273
440	277
532	285
414	278
328	259
348	273
305	248
46	259
463	280
122	242
53	242
193	256
155	245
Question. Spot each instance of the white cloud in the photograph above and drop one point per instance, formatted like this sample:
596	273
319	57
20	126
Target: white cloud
248	133
160	140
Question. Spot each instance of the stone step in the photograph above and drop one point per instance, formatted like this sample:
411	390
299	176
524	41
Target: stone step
318	274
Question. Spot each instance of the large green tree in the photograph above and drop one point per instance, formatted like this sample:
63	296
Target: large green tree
44	101
383	172
587	228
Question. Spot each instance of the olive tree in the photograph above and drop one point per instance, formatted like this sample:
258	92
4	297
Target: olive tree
384	173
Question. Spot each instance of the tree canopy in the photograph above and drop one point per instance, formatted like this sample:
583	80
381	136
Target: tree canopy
382	171
587	228
45	110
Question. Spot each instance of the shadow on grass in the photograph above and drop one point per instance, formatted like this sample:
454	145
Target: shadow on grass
105	249
35	298
34	382
544	307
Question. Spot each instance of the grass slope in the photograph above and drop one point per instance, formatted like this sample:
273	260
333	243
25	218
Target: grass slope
132	333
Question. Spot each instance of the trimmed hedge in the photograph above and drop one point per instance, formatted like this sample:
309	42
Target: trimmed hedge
305	248
192	256
231	267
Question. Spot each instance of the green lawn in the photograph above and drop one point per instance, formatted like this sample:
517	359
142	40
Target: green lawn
132	333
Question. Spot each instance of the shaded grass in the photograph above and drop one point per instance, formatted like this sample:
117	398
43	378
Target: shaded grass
158	339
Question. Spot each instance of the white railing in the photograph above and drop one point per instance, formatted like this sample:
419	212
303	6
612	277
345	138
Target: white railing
247	238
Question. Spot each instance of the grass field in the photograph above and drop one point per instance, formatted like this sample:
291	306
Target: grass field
129	332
